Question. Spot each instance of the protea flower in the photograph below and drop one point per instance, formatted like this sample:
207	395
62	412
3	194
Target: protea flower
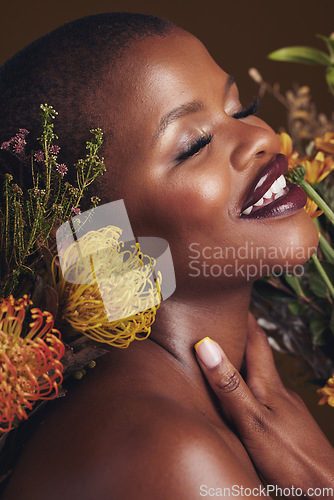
110	294
30	367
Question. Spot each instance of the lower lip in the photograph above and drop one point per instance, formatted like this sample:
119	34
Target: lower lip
294	199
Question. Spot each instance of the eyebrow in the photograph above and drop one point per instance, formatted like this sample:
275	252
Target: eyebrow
185	109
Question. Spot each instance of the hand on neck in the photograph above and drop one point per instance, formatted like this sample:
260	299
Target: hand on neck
221	315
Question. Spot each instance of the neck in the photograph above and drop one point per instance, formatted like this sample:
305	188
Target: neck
182	321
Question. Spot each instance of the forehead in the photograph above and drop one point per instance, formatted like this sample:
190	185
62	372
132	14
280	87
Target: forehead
160	73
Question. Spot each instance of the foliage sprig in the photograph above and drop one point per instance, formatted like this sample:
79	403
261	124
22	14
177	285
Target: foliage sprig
29	216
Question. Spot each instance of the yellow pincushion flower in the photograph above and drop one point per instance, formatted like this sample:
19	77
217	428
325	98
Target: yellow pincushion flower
327	393
110	294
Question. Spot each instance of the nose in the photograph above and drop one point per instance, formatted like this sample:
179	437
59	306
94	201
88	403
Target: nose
252	140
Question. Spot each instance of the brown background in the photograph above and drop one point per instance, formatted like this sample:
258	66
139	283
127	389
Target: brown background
238	34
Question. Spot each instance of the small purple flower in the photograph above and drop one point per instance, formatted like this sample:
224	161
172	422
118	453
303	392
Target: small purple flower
5	145
76	210
19	144
54	150
39	156
16	143
23	132
61	169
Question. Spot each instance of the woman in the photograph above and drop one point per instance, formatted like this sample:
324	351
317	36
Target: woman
189	163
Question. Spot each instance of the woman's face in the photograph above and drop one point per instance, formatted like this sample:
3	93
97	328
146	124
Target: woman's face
185	159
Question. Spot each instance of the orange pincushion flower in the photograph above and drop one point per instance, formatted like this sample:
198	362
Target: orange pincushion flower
30	367
327	393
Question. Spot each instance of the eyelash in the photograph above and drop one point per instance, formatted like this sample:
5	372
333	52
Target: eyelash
204	140
195	147
251	110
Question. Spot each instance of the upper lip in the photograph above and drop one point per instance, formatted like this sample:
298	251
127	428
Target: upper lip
272	171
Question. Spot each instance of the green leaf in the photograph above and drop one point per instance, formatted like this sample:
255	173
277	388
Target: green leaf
318	286
304	55
329	42
330	78
297	307
295	283
318	325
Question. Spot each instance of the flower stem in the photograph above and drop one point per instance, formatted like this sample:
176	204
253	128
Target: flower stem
327	250
317	198
323	274
325	246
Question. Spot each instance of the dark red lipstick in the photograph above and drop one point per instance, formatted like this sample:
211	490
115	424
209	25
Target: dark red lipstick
269	195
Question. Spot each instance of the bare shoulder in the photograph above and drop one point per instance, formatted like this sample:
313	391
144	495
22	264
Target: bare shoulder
150	448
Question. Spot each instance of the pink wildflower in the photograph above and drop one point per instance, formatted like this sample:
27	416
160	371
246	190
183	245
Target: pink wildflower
39	156
76	210
19	144
61	169
54	150
22	132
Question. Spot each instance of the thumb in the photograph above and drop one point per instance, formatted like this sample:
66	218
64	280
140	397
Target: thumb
235	396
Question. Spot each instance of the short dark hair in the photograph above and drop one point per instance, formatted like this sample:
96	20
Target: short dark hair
63	69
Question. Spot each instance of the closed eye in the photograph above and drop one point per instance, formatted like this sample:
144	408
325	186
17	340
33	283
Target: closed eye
250	110
194	147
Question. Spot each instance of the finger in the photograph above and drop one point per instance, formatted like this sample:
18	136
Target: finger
226	382
260	365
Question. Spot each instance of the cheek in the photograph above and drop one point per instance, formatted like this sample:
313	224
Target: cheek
194	202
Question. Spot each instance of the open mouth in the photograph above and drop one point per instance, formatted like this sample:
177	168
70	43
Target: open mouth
270	195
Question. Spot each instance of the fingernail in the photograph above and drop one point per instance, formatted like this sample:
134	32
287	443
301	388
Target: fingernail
208	352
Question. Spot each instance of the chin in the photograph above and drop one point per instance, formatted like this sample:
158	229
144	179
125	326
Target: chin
296	243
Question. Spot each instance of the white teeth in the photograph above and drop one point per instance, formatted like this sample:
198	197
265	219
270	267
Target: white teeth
278	195
259	203
268	194
275	191
282	181
275	187
248	210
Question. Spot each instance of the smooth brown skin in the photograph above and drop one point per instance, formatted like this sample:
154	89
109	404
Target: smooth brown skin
145	424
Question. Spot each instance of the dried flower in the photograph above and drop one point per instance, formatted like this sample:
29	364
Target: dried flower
327	393
30	367
255	75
